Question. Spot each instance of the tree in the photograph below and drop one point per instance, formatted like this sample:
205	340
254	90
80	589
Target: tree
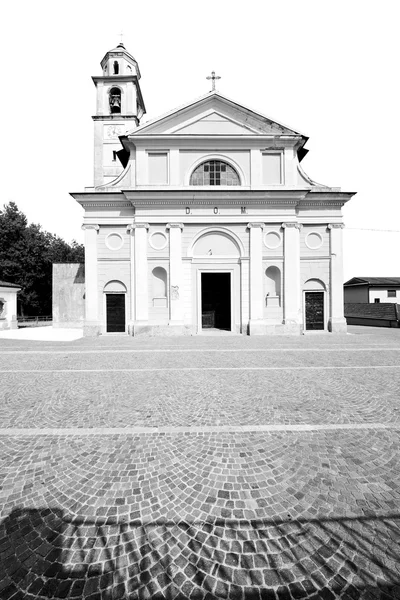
26	257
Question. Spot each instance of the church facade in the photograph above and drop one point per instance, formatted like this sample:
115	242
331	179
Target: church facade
203	219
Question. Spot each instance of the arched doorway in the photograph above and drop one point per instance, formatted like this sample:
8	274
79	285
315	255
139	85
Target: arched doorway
314	305
115	294
216	257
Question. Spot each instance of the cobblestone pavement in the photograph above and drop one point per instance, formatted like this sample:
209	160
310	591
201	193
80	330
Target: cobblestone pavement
201	468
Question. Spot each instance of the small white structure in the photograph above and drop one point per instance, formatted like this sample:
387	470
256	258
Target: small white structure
8	305
372	289
204	218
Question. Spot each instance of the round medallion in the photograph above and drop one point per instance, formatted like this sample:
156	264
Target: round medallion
272	239
114	241
158	240
314	240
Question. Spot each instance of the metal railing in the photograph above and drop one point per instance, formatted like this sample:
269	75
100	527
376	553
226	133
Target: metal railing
34	321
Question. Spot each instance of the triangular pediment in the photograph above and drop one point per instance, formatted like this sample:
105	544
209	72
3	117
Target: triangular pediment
213	114
213	123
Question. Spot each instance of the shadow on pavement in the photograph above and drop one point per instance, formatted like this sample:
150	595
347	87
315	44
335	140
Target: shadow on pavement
45	553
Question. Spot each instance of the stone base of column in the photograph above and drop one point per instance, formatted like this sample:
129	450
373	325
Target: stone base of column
91	329
292	327
170	330
337	325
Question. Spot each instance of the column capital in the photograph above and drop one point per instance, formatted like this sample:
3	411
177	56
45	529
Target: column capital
138	226
336	226
254	225
172	225
292	224
90	226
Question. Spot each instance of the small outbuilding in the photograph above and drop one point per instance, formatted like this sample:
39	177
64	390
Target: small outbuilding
373	301
8	305
372	290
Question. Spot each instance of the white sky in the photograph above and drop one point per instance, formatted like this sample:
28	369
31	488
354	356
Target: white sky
327	68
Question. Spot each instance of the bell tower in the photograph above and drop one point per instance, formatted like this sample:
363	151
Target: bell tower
119	109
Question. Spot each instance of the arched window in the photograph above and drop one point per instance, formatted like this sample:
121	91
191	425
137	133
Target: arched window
116	67
214	172
115	100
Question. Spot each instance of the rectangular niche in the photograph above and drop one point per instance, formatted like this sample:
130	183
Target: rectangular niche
160	302
272	168
158	168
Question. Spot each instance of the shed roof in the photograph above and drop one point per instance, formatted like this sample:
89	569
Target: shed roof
386	311
394	281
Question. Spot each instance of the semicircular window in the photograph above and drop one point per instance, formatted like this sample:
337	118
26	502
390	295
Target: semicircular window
214	172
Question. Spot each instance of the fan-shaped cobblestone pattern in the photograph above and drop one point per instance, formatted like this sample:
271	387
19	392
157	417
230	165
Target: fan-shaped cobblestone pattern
239	359
198	398
282	515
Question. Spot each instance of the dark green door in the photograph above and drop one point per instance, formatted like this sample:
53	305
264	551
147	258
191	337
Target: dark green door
115	313
315	310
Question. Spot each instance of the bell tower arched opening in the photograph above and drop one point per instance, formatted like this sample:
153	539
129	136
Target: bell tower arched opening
115	100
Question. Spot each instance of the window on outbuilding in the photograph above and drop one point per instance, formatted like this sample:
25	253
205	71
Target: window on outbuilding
391	293
214	172
376	300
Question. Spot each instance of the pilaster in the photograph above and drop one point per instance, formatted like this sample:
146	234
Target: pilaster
175	273
92	323
336	322
131	316
141	284
291	277
256	323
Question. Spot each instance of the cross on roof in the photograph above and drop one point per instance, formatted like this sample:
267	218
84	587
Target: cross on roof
213	77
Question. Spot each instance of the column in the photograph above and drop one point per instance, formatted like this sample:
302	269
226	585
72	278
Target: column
291	277
175	273
256	278
141	276
92	324
336	322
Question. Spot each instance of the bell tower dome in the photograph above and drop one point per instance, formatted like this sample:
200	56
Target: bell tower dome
119	109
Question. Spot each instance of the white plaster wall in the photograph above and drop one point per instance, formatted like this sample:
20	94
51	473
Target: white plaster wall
9	315
158	315
190	232
154	252
323	250
315	269
383	295
245	295
187	292
271	253
111	271
104	252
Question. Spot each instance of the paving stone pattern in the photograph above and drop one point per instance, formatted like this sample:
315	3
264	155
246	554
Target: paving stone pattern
201	513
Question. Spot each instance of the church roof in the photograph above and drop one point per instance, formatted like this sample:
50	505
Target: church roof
395	281
256	122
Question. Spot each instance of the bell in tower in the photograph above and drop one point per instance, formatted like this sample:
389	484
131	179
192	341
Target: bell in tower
115	100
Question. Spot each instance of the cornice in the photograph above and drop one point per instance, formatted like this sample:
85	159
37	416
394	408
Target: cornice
193	196
115	78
